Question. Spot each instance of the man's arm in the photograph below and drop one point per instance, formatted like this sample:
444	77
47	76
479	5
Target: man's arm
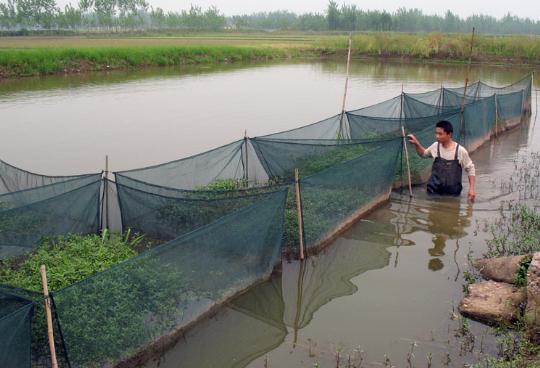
420	150
471	172
472	191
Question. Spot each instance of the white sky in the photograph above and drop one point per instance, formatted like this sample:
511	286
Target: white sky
497	8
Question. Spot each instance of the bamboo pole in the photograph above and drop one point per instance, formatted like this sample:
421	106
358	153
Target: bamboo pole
407	160
462	129
299	295
496	115
47	301
106	189
246	173
299	212
441	99
346	87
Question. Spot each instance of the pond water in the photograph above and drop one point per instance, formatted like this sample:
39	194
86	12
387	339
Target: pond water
393	280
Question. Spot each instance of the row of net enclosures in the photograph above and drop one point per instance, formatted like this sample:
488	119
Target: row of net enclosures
221	218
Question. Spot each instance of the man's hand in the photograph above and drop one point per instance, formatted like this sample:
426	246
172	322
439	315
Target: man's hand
471	195
413	140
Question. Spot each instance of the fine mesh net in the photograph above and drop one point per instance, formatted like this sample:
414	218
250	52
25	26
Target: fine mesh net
196	171
13	179
16	334
55	209
386	109
280	157
325	129
478	122
114	314
335	195
510	107
165	213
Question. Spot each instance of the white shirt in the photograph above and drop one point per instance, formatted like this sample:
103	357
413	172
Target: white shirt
450	153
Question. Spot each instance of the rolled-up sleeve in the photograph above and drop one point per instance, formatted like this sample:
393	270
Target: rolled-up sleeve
467	163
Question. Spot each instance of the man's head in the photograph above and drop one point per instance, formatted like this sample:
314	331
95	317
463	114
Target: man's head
443	131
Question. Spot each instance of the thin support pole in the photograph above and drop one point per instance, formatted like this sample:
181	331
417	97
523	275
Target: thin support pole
496	115
106	189
462	130
47	301
299	212
441	99
299	295
407	160
246	171
340	134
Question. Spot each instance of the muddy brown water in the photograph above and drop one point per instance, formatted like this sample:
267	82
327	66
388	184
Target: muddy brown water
393	280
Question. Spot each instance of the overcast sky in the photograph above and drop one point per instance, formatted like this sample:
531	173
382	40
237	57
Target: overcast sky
464	8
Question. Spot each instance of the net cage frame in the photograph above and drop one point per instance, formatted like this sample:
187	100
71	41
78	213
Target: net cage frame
246	156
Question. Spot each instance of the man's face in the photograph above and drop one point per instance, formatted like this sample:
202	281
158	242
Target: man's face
441	136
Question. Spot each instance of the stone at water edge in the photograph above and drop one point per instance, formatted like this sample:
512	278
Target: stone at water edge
532	312
493	302
502	269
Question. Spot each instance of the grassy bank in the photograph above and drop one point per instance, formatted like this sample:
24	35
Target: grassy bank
23	56
43	61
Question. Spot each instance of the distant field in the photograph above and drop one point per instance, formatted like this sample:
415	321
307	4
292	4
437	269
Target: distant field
29	55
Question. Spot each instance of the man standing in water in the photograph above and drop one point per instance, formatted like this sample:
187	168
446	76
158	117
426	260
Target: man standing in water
450	160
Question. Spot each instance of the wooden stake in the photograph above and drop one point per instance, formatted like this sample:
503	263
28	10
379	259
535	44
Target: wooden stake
407	160
299	212
50	334
346	87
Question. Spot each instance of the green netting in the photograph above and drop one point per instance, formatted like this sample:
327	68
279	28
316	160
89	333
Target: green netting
117	313
66	207
333	196
387	109
13	179
478	123
280	157
15	331
524	84
473	90
325	129
510	107
165	213
433	98
189	173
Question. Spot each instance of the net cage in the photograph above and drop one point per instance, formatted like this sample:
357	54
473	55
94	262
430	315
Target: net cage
220	218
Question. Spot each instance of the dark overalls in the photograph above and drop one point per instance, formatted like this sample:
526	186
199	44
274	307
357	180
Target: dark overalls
446	175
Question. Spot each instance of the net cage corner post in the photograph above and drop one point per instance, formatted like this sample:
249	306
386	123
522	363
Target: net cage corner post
298	199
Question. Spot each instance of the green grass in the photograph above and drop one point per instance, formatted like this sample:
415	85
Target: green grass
43	61
24	56
454	47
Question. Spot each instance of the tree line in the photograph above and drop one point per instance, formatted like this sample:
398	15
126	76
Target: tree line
116	15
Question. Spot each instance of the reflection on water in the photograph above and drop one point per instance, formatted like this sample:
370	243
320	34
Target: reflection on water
392	279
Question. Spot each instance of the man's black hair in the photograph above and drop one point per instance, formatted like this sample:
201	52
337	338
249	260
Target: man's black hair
446	126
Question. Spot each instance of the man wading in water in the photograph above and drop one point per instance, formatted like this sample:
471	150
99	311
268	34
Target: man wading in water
450	159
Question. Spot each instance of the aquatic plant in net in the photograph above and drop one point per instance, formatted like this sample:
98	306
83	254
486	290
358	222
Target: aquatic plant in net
165	213
338	194
122	311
